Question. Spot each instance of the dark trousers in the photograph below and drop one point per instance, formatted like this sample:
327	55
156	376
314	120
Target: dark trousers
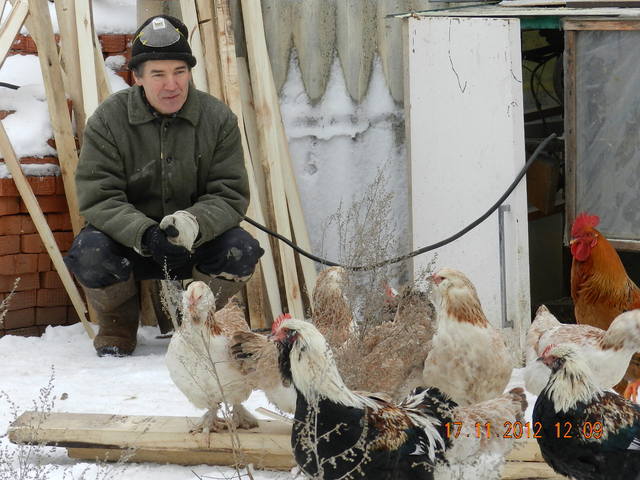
98	261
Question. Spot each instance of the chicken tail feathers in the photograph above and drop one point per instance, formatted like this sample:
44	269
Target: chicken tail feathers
519	399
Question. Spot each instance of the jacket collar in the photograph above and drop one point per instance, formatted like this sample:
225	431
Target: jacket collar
139	111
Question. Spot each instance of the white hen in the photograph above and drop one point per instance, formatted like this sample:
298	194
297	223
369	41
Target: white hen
607	352
469	360
199	360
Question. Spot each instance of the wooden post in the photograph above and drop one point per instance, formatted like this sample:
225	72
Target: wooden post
66	12
102	78
39	220
39	25
12	26
209	39
190	19
267	112
87	61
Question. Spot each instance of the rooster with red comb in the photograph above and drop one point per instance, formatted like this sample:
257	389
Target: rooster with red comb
600	287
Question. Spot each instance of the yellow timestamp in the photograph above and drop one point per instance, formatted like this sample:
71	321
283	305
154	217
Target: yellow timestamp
517	430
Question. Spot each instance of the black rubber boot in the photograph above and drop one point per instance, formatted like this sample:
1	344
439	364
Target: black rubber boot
222	288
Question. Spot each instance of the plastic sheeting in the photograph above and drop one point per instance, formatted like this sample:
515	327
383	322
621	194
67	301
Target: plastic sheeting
608	130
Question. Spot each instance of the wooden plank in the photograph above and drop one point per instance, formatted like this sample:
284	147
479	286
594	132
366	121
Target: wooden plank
66	13
256	179
259	459
149	433
86	52
190	19
3	4
209	39
29	199
230	86
570	145
267	111
500	11
602	3
39	25
528	470
12	26
526	451
601	24
102	78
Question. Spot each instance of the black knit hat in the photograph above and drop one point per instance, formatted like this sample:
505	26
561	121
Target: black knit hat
162	37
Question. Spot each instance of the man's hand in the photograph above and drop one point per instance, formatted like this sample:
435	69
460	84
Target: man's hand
181	228
162	250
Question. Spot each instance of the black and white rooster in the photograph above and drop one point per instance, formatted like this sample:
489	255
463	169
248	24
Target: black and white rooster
339	433
585	433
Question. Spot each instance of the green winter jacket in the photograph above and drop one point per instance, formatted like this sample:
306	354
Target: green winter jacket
136	167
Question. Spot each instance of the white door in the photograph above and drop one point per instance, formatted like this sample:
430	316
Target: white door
464	118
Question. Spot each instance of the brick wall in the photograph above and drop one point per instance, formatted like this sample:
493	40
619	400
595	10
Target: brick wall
40	298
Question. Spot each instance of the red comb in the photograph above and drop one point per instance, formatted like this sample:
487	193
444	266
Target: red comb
546	350
278	321
582	221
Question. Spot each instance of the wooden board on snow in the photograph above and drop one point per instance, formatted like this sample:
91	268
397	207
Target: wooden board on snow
134	438
154	439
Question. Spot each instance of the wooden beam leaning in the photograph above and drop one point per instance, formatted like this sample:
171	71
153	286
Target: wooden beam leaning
66	12
12	26
209	40
267	261
190	19
84	24
39	25
102	78
230	86
270	144
39	220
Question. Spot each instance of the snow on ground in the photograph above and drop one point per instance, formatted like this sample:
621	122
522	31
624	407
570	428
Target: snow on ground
136	385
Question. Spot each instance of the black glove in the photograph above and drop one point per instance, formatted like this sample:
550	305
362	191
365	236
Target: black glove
162	250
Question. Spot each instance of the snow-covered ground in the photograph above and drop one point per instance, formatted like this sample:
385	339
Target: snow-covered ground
137	385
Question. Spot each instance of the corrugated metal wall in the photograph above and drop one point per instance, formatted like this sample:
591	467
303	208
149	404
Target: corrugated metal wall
355	30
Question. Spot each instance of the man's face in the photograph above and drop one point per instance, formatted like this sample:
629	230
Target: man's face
165	83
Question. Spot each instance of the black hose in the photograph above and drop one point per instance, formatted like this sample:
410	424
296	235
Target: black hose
422	250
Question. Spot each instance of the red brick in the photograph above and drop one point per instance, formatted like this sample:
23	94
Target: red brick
24	44
27	225
26	332
32	243
125	75
64	240
39	160
20	300
28	281
51	315
8	188
51	297
43	185
25	317
59	185
19	263
9	244
44	262
72	315
113	43
50	280
49	203
10	224
59	221
5	113
9	205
